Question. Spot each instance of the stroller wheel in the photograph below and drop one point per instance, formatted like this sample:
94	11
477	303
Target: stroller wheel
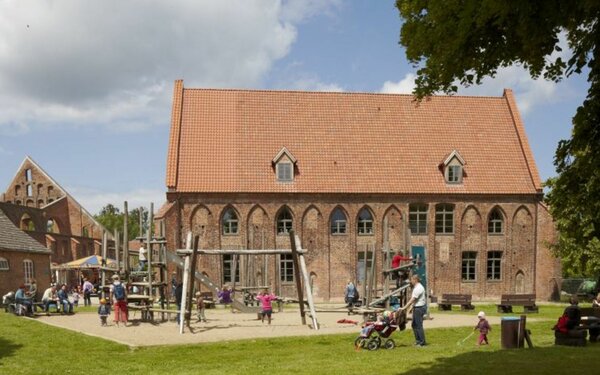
390	344
359	342
373	345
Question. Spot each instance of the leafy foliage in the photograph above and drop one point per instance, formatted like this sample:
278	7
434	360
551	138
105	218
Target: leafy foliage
460	42
113	219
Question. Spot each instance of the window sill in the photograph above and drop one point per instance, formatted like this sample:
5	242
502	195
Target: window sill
495	234
283	234
230	234
339	234
469	281
445	234
366	234
494	281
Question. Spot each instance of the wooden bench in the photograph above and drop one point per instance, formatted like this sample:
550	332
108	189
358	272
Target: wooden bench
507	301
590	320
464	300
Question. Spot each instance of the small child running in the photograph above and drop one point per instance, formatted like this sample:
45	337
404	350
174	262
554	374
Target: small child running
484	327
103	311
200	308
76	297
265	300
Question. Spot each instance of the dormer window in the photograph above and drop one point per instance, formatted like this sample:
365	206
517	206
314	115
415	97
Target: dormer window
454	168
285	171
284	163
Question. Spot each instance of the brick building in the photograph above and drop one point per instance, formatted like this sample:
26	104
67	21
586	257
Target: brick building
21	258
39	206
353	173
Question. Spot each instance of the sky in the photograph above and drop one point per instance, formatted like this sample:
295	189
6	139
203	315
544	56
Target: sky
86	86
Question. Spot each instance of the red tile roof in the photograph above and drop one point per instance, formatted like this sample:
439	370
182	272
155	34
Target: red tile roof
225	140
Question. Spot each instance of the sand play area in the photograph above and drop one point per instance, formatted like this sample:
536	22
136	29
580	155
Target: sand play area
223	325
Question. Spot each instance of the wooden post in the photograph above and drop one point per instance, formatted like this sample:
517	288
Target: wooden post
372	280
149	249
186	280
126	238
278	280
297	276
309	297
141	219
117	243
386	249
190	291
104	251
233	270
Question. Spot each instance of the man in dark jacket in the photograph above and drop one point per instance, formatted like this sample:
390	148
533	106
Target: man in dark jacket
573	313
63	299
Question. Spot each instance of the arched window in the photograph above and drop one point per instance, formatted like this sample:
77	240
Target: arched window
52	226
17	190
229	222
27	223
284	221
28	175
28	270
50	190
29	190
338	221
40	189
4	264
40	203
496	223
365	222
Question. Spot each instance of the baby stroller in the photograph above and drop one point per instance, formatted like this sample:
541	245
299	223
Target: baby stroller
376	334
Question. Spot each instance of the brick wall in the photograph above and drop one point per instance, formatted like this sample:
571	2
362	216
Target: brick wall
15	276
332	258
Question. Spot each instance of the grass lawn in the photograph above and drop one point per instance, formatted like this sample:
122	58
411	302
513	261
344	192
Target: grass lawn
29	347
551	312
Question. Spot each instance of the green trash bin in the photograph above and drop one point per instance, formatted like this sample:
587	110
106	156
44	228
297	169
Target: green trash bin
512	332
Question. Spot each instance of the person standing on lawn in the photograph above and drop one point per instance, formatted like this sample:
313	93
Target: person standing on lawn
88	288
420	309
484	328
118	296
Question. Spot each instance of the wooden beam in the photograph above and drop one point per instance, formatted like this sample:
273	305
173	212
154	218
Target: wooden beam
125	239
188	312
149	248
186	279
309	296
238	252
297	276
104	250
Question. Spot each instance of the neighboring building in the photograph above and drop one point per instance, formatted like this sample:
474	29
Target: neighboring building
21	258
353	173
39	206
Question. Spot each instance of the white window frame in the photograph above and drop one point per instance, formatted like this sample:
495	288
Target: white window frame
285	174
4	265
28	270
339	226
365	227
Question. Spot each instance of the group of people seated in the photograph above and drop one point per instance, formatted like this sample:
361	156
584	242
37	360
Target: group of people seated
25	299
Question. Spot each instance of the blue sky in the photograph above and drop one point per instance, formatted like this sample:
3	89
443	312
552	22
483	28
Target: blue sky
85	87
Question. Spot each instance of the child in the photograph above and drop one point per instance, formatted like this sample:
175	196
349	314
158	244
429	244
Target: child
484	327
265	299
225	295
103	311
75	296
200	308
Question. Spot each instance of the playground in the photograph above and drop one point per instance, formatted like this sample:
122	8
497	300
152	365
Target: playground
223	325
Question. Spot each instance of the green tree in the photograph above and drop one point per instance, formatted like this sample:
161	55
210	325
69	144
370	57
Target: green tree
460	42
112	219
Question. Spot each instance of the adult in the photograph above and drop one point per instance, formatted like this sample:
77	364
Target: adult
118	296
420	309
596	301
63	299
32	292
178	298
22	299
573	313
173	285
350	294
49	297
88	288
143	261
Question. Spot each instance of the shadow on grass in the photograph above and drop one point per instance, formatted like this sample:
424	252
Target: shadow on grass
545	360
7	348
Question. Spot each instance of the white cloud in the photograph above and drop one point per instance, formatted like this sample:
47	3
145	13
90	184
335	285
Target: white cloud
314	84
93	200
405	86
110	62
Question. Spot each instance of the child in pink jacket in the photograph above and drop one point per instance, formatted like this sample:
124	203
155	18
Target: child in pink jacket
265	302
484	327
